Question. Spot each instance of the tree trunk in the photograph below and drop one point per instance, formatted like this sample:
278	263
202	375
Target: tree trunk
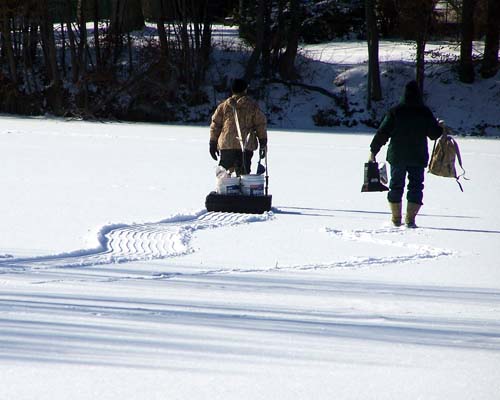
203	40
82	43
287	61
7	46
491	46
15	41
466	68
241	10
126	16
63	50
205	49
130	54
97	45
374	86
33	40
416	21
187	66
27	60
420	67
259	39
82	53
162	33
26	56
72	43
278	36
266	44
55	92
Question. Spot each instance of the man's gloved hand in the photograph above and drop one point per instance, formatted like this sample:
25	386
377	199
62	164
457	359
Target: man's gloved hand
262	148
372	158
214	151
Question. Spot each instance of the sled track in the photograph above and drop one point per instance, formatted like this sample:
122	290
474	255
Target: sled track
172	237
416	251
140	242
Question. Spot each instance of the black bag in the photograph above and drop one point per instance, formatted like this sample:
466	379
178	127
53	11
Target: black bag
372	179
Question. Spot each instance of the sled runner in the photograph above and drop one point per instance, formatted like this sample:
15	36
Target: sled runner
238	203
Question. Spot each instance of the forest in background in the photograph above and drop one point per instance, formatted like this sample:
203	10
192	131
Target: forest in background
81	58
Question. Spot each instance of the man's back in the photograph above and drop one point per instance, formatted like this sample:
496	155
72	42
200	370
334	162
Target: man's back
251	120
408	126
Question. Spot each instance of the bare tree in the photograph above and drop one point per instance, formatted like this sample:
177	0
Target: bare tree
259	41
374	86
6	12
491	46
29	41
162	33
278	35
416	19
126	16
75	66
55	89
97	40
266	44
287	61
191	46
466	67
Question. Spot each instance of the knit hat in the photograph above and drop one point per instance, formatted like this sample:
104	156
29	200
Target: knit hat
239	86
412	92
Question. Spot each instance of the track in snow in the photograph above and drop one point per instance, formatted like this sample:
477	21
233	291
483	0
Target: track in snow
172	237
139	242
416	251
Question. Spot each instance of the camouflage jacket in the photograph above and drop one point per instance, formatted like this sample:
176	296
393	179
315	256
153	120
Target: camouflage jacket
253	123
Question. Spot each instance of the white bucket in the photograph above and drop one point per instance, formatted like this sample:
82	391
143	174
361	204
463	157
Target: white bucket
228	185
252	185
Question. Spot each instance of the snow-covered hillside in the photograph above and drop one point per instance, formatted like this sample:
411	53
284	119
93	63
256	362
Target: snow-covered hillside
116	283
341	68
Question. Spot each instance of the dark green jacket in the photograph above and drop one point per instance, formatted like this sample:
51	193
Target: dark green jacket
408	126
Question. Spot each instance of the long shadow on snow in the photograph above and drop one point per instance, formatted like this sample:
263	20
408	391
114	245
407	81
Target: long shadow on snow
311	211
147	333
462	230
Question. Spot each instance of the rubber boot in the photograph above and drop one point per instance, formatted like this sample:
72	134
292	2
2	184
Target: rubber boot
411	213
396	213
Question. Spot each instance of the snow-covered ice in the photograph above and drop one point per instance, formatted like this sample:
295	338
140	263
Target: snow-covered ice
116	283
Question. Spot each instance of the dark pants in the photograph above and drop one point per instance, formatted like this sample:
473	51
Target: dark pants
233	159
415	187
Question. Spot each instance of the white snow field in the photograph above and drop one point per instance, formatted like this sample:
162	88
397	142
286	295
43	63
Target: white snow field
116	283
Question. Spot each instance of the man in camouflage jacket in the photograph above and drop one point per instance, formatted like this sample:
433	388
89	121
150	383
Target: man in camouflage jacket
224	137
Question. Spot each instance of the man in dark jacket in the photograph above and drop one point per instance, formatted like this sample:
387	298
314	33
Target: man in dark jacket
408	125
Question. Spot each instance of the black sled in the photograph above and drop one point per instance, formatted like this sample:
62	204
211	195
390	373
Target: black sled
238	203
